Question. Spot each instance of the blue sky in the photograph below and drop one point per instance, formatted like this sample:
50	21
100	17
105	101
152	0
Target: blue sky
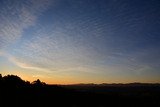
81	41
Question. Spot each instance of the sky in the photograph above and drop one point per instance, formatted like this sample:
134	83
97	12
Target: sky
81	41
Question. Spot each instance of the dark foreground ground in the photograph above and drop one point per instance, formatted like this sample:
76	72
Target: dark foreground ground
89	95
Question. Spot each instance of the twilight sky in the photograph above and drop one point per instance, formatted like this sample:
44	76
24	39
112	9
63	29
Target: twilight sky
81	41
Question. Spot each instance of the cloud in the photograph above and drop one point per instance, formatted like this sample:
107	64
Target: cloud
25	65
40	76
76	44
54	48
21	63
1	53
54	51
17	16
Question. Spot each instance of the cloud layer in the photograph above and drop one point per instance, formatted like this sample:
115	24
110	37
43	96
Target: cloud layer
18	16
105	38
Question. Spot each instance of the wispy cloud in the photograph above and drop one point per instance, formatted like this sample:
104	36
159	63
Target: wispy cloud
1	53
21	63
17	16
24	65
56	49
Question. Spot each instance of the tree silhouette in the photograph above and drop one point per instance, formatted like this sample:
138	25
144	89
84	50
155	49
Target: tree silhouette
13	81
16	81
0	76
38	83
1	79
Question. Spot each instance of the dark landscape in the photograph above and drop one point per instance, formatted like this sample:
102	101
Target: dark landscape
79	53
16	92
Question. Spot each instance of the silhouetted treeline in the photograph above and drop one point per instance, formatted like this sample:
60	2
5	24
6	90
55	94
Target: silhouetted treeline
13	81
15	92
